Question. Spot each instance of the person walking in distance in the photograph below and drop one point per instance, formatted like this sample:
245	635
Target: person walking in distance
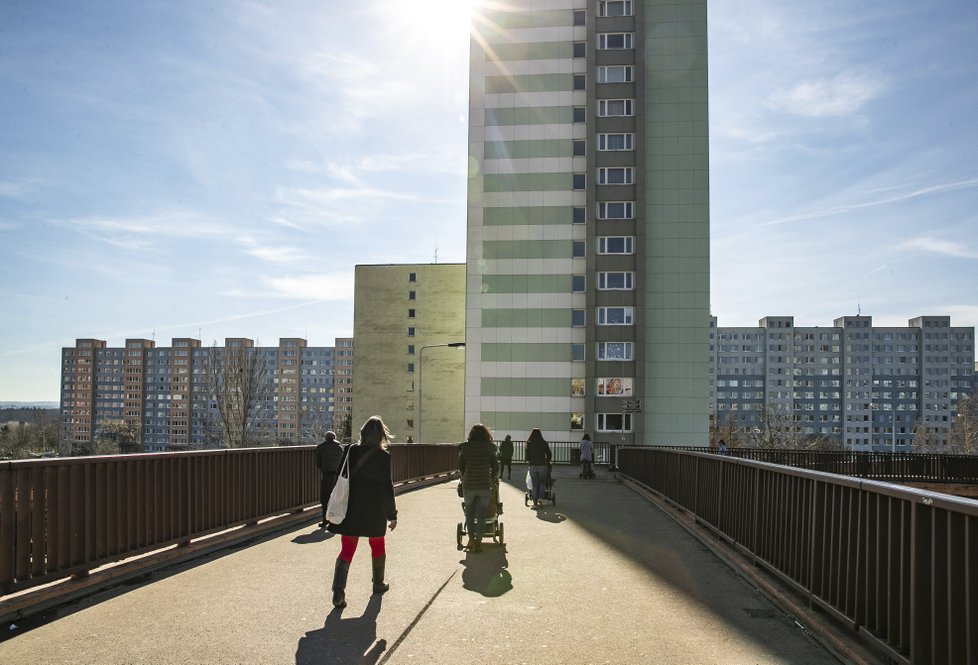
538	457
479	468
328	456
587	456
370	510
506	457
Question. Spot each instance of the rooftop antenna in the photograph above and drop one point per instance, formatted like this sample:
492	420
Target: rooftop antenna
436	254
154	334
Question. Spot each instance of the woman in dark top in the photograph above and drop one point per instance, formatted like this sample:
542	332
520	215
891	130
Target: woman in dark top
479	468
538	457
370	511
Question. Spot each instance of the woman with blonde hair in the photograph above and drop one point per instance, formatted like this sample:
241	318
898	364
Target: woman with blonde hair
370	511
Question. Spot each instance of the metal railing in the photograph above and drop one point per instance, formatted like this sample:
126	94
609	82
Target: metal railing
885	466
897	564
62	517
563	452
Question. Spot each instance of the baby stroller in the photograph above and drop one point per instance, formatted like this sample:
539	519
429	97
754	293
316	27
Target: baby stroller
494	528
548	492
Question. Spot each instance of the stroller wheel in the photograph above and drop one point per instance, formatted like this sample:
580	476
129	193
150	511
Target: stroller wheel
499	535
459	532
526	499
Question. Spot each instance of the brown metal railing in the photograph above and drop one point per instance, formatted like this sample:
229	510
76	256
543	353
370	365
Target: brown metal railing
897	564
65	516
885	466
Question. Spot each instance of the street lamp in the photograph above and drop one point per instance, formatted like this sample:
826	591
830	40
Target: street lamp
454	345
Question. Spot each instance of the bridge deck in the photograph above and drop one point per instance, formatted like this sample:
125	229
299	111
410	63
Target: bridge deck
602	577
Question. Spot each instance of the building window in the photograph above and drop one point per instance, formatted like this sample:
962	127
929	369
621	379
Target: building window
577	421
580	17
616	141
577	387
614	422
615	386
616	245
412	295
580	181
580	82
579	215
577	352
410	349
580	114
578	249
410	313
615	40
410	368
580	148
616	74
412	276
615	8
616	210
616	175
615	351
616	281
608	108
580	49
410	332
616	316
578	318
578	284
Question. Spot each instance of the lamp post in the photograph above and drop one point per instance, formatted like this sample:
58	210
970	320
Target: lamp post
454	345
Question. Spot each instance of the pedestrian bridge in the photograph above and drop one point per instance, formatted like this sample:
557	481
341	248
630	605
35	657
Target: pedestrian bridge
681	558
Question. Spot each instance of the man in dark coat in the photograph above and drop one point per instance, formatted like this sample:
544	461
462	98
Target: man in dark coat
479	468
328	456
506	457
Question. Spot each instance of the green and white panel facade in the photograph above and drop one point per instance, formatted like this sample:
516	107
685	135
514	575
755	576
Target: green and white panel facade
587	303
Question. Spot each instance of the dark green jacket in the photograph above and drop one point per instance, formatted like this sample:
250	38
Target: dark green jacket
478	464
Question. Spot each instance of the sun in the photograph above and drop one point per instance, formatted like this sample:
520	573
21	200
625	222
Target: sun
432	19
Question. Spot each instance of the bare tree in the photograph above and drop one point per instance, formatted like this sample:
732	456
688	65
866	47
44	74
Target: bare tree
727	431
778	428
237	380
925	439
964	431
115	435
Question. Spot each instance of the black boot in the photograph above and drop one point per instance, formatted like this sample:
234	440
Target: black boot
378	563
339	582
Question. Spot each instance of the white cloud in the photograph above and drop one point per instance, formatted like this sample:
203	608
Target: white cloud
938	246
320	287
278	254
839	96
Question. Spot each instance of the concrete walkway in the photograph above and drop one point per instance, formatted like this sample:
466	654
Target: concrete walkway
602	577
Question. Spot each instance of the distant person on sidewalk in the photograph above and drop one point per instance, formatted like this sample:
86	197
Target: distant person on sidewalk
723	447
538	457
328	456
506	457
370	511
587	456
479	468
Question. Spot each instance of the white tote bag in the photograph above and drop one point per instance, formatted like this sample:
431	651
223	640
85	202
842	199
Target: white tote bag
340	496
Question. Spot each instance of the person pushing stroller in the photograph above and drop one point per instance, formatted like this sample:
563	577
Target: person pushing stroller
479	468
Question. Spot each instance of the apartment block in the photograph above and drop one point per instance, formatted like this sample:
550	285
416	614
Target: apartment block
409	357
588	220
172	397
869	387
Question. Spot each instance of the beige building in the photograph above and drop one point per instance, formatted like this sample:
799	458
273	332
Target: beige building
405	318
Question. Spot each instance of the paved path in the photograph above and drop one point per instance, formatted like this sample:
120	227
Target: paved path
602	577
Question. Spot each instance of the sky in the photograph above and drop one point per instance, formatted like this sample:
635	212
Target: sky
216	169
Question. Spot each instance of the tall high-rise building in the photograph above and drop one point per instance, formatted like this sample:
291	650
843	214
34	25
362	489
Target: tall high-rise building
867	387
406	320
587	305
172	398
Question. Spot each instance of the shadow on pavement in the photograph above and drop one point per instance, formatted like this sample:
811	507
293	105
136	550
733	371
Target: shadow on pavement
349	640
486	571
550	515
317	536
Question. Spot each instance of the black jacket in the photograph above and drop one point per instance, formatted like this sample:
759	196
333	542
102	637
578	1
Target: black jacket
371	502
328	456
537	452
478	464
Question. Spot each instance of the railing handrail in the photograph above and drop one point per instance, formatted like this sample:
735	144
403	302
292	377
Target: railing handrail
866	551
62	517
